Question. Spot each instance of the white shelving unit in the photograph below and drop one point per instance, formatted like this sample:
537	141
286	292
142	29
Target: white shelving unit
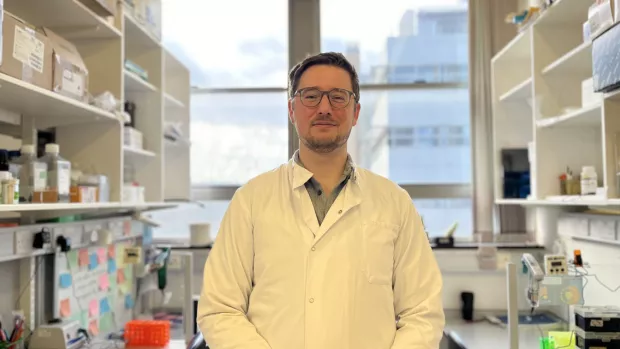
93	138
536	84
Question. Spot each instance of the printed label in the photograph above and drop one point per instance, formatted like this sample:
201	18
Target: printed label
28	49
72	83
64	179
39	176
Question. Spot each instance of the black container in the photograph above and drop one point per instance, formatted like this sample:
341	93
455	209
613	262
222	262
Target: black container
598	319
596	340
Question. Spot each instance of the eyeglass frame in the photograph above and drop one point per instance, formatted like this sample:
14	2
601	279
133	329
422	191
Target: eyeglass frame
352	96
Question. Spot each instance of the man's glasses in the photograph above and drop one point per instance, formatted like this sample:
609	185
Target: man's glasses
338	98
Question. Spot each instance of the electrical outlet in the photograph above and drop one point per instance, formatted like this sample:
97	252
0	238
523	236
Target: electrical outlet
23	241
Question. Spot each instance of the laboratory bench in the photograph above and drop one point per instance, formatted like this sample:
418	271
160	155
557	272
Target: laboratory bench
460	334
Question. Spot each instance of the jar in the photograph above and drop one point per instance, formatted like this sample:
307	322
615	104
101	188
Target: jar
589	180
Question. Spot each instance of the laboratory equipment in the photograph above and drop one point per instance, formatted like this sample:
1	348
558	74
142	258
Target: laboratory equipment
67	335
597	318
530	264
556	265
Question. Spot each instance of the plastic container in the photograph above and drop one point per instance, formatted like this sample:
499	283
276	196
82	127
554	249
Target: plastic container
58	172
32	174
147	333
5	191
598	319
597	340
589	180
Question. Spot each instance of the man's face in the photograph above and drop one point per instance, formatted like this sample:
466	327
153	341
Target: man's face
324	122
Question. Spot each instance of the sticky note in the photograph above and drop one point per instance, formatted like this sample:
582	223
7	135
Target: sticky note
111	266
93	308
104	306
123	288
128	302
101	255
83	257
120	256
111	251
84	318
106	323
93	262
129	272
112	281
93	328
65	308
72	256
132	255
120	276
104	282
126	227
65	280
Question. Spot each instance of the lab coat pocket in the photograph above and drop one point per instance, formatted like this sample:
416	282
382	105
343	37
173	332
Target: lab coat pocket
378	251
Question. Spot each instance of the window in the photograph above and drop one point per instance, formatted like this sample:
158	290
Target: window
414	43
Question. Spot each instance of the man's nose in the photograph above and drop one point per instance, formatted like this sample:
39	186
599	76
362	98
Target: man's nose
324	106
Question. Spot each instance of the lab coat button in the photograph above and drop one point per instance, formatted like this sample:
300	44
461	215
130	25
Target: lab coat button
311	300
313	249
339	212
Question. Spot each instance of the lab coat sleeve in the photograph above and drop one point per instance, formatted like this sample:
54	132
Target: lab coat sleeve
227	283
417	286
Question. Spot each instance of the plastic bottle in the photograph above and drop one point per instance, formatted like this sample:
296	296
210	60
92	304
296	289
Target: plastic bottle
8	185
32	174
589	180
58	172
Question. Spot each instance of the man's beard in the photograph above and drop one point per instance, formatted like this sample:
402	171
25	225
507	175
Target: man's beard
324	146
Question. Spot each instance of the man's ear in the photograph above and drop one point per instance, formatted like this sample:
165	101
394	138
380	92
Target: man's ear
291	109
356	113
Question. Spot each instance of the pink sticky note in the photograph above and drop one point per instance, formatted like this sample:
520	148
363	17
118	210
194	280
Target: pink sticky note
93	308
93	328
111	251
104	282
83	257
65	308
101	255
121	276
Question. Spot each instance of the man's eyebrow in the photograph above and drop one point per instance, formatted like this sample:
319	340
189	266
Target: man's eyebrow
301	88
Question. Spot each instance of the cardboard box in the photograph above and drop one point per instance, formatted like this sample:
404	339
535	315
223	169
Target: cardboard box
601	17
103	8
26	53
69	73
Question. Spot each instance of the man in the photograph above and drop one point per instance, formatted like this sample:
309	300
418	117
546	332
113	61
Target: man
319	254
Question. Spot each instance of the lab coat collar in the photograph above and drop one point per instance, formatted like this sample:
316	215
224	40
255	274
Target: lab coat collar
298	175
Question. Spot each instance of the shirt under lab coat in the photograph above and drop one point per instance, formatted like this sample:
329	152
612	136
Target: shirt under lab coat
366	278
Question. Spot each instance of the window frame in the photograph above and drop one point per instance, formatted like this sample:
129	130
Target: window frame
304	38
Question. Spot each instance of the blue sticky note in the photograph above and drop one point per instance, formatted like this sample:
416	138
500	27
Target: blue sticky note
65	280
111	266
93	261
104	306
128	301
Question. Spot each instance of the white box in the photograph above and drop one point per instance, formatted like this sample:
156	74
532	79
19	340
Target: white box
588	96
601	17
133	138
133	193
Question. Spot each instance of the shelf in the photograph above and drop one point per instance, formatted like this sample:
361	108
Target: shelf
171	102
137	155
520	92
593	239
576	62
576	201
69	18
134	83
181	143
585	117
136	35
47	107
565	12
517	49
75	208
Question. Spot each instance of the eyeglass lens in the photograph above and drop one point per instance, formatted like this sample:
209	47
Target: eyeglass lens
337	98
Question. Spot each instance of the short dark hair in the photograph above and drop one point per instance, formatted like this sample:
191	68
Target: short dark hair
333	59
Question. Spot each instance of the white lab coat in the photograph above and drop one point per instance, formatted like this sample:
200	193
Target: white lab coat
275	279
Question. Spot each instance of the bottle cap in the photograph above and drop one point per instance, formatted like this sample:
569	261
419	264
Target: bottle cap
5	175
4	160
27	149
52	148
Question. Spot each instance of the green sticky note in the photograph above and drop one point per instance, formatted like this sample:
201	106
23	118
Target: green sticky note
112	281
123	288
129	272
105	323
84	319
72	256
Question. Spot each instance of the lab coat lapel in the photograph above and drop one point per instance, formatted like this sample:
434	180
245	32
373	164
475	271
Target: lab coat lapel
349	198
302	204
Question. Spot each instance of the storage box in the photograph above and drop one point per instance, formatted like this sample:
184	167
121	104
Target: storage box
103	8
597	319
133	138
588	96
600	16
69	72
26	53
596	340
605	60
